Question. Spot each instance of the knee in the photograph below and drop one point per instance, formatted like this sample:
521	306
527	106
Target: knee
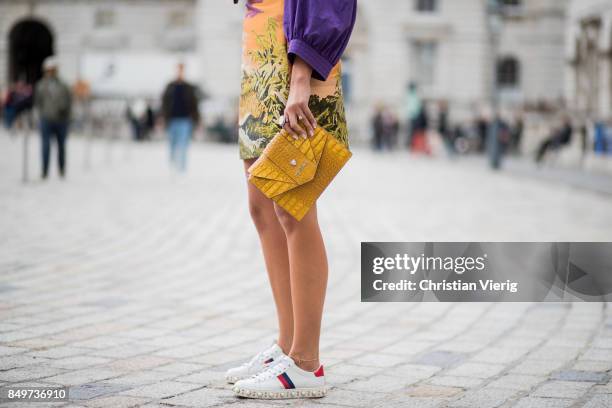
286	220
261	214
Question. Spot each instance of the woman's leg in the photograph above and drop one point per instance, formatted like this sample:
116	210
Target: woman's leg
274	247
308	262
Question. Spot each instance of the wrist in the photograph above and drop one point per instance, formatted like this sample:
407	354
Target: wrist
301	71
300	80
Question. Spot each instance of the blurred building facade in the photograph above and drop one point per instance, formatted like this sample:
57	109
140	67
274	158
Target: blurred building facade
589	52
122	48
443	45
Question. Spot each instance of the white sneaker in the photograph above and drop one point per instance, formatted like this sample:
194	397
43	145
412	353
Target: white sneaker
283	380
256	365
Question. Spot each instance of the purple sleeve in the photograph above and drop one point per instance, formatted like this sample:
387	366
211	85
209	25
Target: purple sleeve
318	31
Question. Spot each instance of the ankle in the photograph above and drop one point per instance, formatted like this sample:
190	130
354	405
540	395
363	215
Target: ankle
306	364
310	366
285	346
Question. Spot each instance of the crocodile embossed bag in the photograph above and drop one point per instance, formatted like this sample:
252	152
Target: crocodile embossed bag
294	173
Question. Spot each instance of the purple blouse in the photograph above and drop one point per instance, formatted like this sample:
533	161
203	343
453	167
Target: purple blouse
318	31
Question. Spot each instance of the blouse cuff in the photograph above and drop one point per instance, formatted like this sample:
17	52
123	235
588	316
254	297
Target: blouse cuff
321	67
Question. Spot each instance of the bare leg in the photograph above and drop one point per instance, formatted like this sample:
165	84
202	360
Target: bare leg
274	247
308	262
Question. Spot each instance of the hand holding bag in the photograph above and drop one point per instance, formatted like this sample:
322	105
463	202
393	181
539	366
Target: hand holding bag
294	173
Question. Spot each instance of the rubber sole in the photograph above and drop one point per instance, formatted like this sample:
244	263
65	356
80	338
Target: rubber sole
317	392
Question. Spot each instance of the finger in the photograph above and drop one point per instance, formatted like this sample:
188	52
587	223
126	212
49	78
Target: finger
290	131
305	122
283	122
294	123
287	126
310	117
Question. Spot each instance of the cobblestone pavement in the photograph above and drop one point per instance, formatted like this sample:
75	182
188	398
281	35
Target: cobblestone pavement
137	288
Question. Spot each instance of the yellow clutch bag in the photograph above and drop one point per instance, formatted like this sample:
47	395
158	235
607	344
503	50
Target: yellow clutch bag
294	173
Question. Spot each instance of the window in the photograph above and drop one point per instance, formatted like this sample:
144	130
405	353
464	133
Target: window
511	7
424	62
426	6
510	3
508	72
177	19
104	18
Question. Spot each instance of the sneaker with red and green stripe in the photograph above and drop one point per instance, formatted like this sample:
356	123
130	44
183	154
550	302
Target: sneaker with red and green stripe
282	380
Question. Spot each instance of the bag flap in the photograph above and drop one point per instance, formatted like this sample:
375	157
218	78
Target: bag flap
318	141
269	178
265	168
294	158
271	188
287	163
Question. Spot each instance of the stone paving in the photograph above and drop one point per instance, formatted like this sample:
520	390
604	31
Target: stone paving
135	287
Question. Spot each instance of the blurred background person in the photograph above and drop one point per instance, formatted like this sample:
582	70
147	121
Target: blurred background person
505	131
462	142
385	126
53	100
81	90
602	137
418	140
444	128
497	140
413	108
223	130
6	108
392	126
516	135
377	127
148	125
136	112
583	130
8	111
180	112
17	99
559	137
481	125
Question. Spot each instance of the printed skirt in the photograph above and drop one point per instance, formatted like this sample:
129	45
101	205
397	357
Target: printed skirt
265	83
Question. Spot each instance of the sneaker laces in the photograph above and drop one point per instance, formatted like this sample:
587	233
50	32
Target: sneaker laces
258	358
